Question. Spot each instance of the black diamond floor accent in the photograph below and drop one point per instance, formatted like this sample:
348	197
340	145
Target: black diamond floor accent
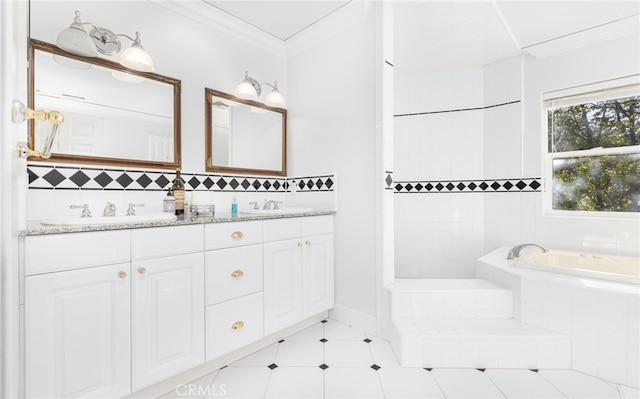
54	177
323	340
272	366
482	370
79	178
428	369
323	366
367	340
375	367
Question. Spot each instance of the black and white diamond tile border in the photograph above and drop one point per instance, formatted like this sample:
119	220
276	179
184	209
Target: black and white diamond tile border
48	177
518	185
388	180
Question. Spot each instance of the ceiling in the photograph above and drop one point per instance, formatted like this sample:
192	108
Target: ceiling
435	35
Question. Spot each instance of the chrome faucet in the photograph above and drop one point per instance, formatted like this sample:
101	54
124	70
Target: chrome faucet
86	213
515	251
271	204
254	204
132	211
109	210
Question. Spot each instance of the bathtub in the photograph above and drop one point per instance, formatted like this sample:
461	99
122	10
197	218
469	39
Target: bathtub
593	300
624	269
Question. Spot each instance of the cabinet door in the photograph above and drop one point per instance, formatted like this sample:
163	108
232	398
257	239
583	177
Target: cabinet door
282	284
77	327
168	317
318	274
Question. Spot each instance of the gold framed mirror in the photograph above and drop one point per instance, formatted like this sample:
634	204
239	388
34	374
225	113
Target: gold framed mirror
244	136
113	115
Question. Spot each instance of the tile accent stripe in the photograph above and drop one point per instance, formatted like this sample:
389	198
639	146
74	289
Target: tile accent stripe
56	177
469	186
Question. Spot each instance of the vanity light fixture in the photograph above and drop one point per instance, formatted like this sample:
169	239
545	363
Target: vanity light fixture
76	40
250	89
21	113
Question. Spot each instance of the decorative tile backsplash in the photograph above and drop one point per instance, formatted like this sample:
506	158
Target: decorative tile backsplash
469	186
48	177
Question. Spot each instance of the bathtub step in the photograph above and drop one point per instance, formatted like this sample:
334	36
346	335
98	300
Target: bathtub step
477	343
449	298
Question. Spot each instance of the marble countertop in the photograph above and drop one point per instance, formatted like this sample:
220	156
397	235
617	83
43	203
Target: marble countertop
35	228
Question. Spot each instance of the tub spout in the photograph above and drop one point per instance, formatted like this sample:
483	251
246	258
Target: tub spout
515	251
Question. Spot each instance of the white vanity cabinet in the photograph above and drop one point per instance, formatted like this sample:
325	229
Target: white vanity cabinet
167	302
298	270
77	322
234	278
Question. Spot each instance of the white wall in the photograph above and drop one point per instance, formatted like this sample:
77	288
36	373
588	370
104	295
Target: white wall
438	235
331	100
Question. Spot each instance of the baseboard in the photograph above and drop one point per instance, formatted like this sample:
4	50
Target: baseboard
354	318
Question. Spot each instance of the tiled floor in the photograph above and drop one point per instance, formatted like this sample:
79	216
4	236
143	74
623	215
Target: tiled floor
333	360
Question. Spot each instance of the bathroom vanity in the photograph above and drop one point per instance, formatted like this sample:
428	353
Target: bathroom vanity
109	310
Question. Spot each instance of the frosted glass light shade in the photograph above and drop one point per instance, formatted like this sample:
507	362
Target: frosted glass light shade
246	91
136	58
76	41
275	99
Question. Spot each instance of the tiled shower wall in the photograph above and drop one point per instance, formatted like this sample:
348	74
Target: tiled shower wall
54	187
479	125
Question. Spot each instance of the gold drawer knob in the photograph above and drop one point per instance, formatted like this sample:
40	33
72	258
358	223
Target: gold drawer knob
237	234
237	273
122	274
237	325
307	243
300	244
142	270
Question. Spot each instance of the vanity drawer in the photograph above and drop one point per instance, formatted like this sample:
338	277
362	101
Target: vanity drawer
282	229
233	272
50	253
233	324
233	234
159	242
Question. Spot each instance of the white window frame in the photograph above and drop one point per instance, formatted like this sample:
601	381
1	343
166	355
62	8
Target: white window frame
600	91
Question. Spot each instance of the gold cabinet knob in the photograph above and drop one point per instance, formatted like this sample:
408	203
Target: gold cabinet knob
237	325
300	244
237	234
122	274
237	273
142	270
307	243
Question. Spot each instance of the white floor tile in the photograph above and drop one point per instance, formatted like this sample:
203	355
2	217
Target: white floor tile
465	384
517	384
261	358
408	383
194	389
345	383
383	354
242	382
312	333
629	393
300	353
296	383
575	385
337	331
347	354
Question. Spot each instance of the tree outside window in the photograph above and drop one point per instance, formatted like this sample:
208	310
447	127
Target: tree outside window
594	151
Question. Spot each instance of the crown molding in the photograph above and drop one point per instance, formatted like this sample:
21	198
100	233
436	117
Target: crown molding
598	34
341	19
201	12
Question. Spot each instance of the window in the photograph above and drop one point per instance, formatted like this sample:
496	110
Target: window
593	151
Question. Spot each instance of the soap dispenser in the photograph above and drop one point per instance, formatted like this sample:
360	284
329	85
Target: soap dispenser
234	207
169	203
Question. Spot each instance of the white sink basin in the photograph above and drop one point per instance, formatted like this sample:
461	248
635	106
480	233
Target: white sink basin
96	220
289	210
